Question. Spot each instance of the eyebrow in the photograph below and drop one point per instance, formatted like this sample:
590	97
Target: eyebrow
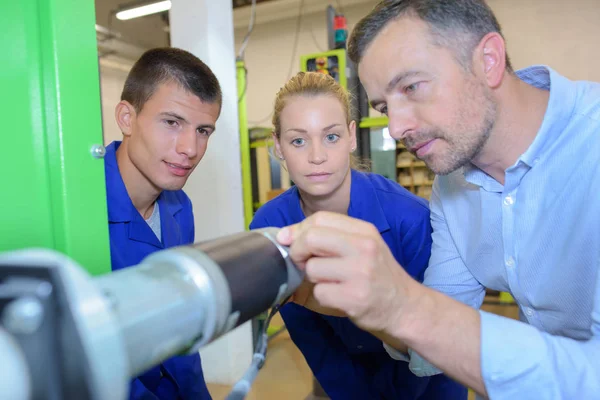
395	81
173	115
304	130
180	118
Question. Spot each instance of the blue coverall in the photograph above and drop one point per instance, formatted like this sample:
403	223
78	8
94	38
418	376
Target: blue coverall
348	362
131	240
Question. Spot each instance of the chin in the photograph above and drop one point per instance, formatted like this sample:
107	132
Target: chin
173	185
318	190
444	167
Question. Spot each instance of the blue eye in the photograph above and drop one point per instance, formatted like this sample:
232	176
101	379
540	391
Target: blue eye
298	142
412	88
332	137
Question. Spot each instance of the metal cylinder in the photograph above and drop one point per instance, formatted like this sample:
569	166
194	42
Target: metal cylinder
158	308
185	297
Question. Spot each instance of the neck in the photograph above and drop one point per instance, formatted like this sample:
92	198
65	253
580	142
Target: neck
520	113
338	201
141	191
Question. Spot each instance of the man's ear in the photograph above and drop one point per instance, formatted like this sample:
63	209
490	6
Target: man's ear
352	131
278	152
492	58
125	116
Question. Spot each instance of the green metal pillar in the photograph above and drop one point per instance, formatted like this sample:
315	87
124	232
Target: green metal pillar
53	191
242	86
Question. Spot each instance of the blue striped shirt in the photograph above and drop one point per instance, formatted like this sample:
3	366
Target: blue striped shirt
538	238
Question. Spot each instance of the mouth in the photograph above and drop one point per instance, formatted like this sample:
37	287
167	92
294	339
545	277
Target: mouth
421	149
179	169
318	176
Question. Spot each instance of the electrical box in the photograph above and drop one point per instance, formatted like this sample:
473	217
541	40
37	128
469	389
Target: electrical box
331	62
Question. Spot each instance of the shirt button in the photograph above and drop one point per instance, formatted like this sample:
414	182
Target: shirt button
529	312
510	262
508	200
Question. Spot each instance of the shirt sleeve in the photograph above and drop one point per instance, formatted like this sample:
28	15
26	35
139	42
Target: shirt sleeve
416	246
259	221
519	361
446	273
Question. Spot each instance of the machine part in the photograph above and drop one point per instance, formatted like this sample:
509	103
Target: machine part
242	387
15	381
98	151
75	350
23	316
187	296
83	337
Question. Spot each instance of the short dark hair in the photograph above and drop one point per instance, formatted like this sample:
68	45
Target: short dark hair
458	25
168	64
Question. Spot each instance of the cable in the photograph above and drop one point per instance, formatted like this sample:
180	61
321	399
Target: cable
314	38
242	387
294	49
242	51
250	29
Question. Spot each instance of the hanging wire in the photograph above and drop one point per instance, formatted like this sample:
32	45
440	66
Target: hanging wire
293	59
250	29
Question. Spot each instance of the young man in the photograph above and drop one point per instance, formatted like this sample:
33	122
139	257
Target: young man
168	110
515	208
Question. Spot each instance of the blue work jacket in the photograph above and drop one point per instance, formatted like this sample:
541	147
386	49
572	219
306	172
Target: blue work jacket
348	362
131	240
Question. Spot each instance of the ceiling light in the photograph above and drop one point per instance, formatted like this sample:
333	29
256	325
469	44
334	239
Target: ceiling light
142	10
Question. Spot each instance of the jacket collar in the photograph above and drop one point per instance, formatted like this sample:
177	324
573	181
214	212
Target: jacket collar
122	210
364	203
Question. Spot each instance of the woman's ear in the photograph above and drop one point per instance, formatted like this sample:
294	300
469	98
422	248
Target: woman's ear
352	131
278	152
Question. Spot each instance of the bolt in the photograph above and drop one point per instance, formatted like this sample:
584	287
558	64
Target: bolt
98	151
23	315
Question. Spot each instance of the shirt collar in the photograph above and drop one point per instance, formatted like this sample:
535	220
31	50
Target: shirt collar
364	203
120	206
561	103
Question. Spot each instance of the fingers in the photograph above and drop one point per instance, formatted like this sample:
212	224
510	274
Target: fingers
326	269
331	295
325	219
325	242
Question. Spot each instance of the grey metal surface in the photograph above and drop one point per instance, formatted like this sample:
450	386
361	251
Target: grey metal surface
15	380
75	352
294	275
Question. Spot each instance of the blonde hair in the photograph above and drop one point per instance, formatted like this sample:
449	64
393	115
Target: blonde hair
314	84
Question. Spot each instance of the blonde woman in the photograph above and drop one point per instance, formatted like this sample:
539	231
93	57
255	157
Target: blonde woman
315	136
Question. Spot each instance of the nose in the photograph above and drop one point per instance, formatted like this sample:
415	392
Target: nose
187	143
402	121
317	153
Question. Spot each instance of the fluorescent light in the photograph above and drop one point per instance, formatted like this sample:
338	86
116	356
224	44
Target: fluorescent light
144	10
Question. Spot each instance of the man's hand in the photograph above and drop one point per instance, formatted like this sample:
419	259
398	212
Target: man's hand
352	269
304	296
